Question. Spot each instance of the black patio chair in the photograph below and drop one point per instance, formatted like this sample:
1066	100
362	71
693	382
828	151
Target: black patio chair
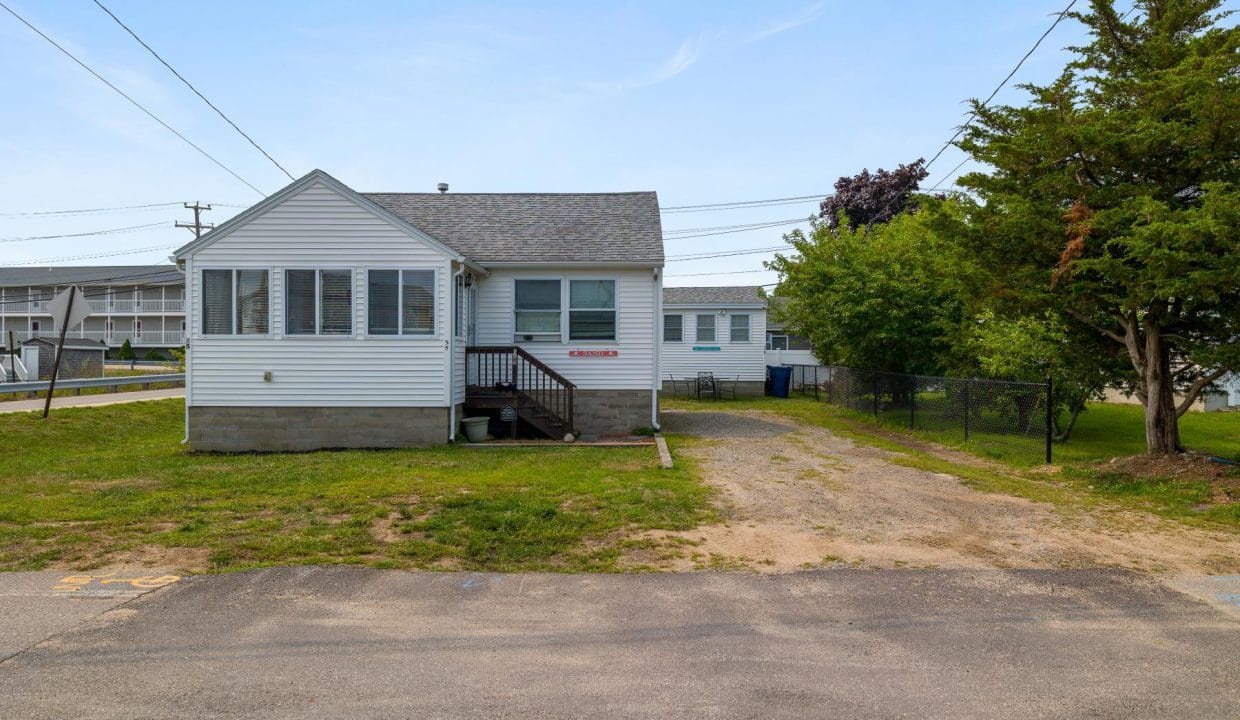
726	387
684	385
706	384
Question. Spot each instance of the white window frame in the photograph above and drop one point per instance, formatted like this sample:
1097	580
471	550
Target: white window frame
517	335
232	274
714	321
318	301
566	320
436	331
565	302
770	345
748	330
682	327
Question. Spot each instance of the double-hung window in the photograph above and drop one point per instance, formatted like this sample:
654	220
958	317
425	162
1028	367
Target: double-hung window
318	302
400	302
537	308
739	328
236	302
592	310
673	328
705	328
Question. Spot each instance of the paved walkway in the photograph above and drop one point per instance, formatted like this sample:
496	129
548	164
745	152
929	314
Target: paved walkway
351	642
92	400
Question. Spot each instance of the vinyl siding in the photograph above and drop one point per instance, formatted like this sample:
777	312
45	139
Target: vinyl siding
319	228
632	369
744	359
791	357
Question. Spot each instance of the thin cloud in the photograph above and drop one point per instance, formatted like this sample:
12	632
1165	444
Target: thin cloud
804	16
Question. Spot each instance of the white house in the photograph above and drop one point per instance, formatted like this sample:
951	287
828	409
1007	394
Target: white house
782	347
324	317
720	330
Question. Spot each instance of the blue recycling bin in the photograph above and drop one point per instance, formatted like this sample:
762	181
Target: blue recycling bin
780	378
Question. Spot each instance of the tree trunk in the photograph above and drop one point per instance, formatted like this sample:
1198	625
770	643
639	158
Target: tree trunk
1162	426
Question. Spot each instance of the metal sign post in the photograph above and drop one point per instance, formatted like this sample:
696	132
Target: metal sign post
70	316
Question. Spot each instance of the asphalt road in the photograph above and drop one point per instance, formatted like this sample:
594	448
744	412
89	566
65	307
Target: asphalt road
355	643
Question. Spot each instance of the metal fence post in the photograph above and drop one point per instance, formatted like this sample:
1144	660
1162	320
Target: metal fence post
815	383
831	386
966	409
876	394
912	403
1050	397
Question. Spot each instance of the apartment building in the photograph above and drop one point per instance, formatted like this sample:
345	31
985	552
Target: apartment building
144	304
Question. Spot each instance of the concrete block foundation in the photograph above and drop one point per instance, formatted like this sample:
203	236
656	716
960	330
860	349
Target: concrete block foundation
284	429
744	389
611	412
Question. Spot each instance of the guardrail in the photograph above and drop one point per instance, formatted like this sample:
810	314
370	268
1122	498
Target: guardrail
34	388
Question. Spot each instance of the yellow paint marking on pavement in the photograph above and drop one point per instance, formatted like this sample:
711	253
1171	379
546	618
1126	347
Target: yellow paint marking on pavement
78	583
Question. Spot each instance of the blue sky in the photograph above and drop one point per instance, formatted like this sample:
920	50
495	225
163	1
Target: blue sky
702	102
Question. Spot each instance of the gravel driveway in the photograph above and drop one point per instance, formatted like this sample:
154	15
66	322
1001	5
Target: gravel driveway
795	496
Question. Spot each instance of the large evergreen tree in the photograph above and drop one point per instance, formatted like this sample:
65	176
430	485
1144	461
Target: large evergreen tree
1113	198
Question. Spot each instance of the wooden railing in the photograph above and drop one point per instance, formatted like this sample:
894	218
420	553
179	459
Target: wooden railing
513	370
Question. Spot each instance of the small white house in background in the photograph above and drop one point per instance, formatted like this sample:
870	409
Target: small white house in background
720	330
324	317
782	347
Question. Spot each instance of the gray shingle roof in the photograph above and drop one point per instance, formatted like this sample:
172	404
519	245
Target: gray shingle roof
71	343
730	295
536	227
90	275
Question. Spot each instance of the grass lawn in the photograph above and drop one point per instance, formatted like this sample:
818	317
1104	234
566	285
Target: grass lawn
1085	477
98	486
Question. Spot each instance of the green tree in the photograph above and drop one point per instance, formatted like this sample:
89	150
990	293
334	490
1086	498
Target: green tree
1113	200
886	297
126	351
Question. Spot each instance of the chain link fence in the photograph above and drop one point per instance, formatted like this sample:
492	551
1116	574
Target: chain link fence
1003	417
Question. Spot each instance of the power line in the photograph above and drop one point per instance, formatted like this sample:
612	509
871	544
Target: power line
739	226
111	231
728	272
740	203
122	93
727	253
191	87
32	213
756	226
93	256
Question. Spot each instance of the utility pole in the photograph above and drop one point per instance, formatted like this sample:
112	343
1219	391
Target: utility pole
197	226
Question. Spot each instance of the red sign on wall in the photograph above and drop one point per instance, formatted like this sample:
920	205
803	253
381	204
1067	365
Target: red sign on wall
594	353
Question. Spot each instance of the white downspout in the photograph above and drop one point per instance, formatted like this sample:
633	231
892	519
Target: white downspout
189	323
658	350
452	354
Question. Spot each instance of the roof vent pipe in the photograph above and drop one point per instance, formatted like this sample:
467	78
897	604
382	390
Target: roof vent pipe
443	187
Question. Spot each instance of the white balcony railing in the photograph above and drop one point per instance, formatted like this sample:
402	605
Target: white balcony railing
116	338
102	307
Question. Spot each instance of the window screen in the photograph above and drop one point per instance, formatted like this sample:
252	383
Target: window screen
739	329
673	328
537	307
382	310
253	302
592	310
401	302
217	302
300	313
705	328
418	310
336	302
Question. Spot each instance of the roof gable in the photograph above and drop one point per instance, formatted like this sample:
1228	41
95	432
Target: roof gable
291	190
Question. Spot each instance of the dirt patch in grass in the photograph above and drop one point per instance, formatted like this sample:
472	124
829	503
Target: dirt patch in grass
794	495
1223	480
